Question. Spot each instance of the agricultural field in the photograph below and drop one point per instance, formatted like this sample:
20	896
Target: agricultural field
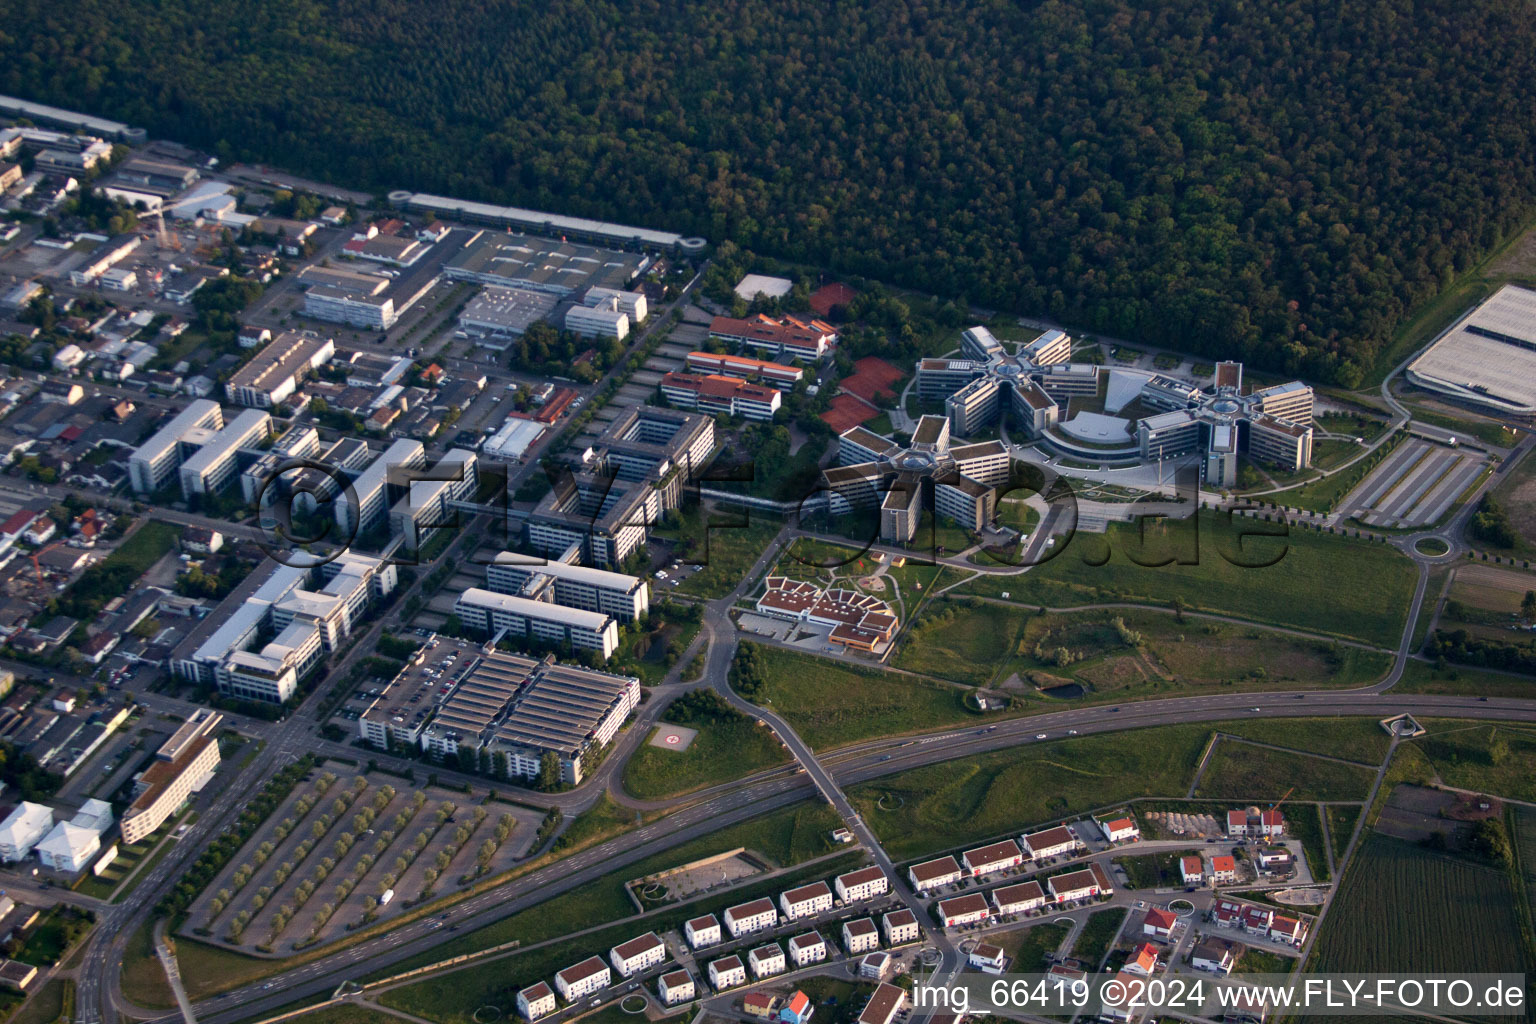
1523	832
1244	772
1341	824
1319	582
1405	909
945	805
1121	654
322	862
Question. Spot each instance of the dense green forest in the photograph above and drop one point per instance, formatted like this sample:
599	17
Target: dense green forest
1279	180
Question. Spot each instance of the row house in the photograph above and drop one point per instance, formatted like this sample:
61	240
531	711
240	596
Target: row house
1052	842
755	916
988	860
806	901
933	874
968	909
1019	899
638	954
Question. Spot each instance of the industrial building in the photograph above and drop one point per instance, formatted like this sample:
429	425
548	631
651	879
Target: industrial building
634	473
273	375
542	264
1488	358
496	315
514	708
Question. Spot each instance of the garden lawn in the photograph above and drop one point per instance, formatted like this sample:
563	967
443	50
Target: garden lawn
1097	936
1319	582
1030	948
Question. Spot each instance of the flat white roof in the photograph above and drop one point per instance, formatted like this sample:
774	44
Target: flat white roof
565	571
234	435
514	438
753	285
539	219
402	452
577	617
168	435
1496	371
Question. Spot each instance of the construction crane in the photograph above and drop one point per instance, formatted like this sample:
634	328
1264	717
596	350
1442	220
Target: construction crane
1276	805
37	570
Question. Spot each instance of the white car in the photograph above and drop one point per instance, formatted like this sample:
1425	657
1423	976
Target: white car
1039	735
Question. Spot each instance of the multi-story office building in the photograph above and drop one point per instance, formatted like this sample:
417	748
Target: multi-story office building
365	307
215	463
604	320
376	488
153	463
778	375
718	395
631	304
490	613
958	481
780	338
425	505
624	597
634	473
182	764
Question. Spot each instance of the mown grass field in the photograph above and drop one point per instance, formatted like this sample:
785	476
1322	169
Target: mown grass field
1155	870
955	802
1496	759
830	704
722	751
1404	909
1241	771
1319	582
1354	739
1457	680
726	549
986	643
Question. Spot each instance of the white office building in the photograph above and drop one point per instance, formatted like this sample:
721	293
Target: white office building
490	612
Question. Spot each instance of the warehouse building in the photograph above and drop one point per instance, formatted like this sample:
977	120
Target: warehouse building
496	314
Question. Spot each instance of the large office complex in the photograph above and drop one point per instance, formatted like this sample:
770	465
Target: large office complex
542	264
956	481
425	505
632	475
153	463
198	447
513	708
305	625
784	337
273	375
1488	358
626	598
378	487
537	618
181	766
1033	386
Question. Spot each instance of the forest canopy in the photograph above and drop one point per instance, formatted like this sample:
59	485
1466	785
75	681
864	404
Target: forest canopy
1274	180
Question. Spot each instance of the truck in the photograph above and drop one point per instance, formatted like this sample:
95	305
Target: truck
389	894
